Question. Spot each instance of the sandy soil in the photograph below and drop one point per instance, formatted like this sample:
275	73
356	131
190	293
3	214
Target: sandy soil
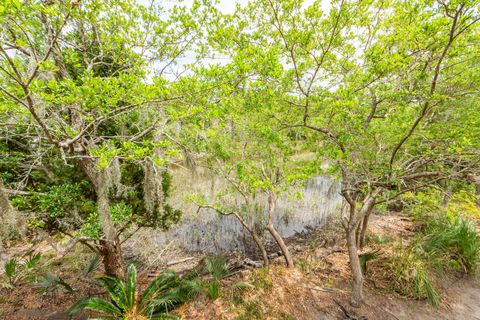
316	289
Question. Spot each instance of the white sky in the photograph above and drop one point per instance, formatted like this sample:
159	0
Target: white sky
225	6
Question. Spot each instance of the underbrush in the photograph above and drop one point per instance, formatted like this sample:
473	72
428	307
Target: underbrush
411	276
451	242
447	242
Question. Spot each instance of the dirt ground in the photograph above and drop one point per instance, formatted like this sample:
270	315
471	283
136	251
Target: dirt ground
316	289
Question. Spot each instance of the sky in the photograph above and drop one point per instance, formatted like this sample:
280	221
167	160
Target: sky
226	7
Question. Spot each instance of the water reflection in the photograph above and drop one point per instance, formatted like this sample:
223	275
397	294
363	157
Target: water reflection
207	231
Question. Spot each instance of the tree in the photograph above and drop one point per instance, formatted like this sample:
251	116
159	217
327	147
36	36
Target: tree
79	104
256	163
364	86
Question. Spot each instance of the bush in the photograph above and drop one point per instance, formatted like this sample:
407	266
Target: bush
164	294
411	277
50	283
20	270
218	268
451	241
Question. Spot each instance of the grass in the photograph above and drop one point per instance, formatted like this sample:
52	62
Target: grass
411	276
451	242
261	279
379	239
250	310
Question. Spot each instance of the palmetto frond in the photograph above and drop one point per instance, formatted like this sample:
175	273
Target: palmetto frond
95	304
165	293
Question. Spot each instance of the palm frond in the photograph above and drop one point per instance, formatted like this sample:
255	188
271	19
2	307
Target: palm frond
10	269
92	266
164	281
116	290
217	267
131	286
50	282
32	260
95	304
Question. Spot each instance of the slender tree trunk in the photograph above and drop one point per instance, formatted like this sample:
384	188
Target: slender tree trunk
110	245
363	229
260	247
111	250
351	227
278	238
256	238
357	233
357	276
447	195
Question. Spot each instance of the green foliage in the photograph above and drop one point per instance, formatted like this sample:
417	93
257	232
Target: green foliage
448	238
380	239
262	279
213	289
161	296
92	266
19	270
411	276
237	291
422	204
50	283
367	257
452	242
11	272
251	310
218	268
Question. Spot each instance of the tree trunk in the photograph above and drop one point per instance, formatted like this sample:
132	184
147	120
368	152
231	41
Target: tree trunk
447	195
363	231
275	234
112	258
255	237
110	245
261	247
351	228
357	276
111	250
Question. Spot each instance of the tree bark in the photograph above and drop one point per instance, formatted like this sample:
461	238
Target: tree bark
355	217
111	250
357	276
260	247
110	244
255	237
363	229
276	236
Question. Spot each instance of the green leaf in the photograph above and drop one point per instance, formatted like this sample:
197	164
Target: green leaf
165	280
94	304
130	289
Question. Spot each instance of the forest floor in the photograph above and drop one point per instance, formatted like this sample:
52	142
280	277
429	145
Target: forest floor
316	289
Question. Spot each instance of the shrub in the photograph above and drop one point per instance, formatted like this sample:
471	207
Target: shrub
164	294
218	268
451	241
50	283
422	204
19	270
411	277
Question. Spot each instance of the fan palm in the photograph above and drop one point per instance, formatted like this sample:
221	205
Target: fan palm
165	293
